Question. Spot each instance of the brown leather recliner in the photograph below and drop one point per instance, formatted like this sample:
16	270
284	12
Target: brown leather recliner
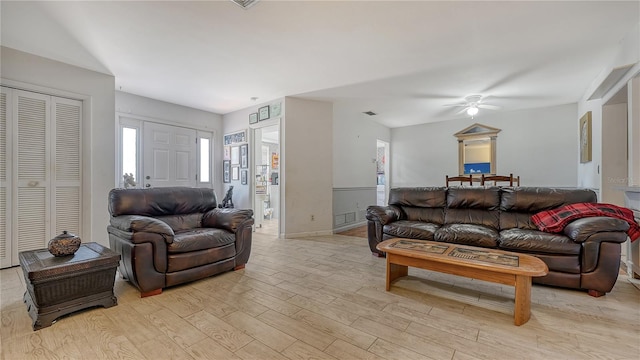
169	236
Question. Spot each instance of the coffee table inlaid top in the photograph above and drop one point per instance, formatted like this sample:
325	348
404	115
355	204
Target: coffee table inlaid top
470	256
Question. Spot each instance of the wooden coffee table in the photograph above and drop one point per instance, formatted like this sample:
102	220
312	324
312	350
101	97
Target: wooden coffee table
492	265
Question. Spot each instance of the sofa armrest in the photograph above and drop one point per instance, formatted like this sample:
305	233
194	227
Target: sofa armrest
383	214
136	223
228	219
583	229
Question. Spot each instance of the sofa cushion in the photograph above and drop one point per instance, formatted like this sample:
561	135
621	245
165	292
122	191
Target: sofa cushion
533	199
474	198
473	216
182	222
535	241
411	229
431	215
418	197
509	220
468	234
200	239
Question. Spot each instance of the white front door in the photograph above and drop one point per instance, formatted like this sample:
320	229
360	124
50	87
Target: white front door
169	156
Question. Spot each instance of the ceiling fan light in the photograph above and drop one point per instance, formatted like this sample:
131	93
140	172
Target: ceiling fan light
472	111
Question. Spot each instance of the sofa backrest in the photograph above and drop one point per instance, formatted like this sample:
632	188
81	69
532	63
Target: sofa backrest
420	204
473	206
158	202
496	207
518	204
183	222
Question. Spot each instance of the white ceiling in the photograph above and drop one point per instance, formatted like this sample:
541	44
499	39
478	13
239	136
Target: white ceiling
402	60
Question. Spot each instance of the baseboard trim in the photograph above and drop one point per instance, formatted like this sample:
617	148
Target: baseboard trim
349	227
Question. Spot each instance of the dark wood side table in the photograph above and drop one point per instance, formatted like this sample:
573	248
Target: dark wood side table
57	286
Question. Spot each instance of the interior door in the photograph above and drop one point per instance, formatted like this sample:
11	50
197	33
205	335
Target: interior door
169	155
5	178
32	175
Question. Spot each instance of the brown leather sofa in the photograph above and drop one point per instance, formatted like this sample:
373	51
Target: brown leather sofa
585	256
169	236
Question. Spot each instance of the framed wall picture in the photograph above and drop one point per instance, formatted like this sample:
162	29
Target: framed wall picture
226	171
244	156
235	155
276	109
237	137
263	113
253	118
227	153
243	176
585	137
235	173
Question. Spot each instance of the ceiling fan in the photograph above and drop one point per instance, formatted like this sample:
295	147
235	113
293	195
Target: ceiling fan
472	104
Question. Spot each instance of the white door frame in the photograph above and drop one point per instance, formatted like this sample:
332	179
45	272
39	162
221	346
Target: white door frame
137	121
256	147
387	167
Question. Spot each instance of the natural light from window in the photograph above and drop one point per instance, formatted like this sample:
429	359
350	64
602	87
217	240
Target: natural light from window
204	160
129	154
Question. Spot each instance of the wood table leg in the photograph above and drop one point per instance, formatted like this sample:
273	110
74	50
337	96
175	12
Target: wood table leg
522	308
394	271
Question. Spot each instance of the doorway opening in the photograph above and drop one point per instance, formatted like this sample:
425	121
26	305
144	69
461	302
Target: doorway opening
266	182
615	165
619	158
382	172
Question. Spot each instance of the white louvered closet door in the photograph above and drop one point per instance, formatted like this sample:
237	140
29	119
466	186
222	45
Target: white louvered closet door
32	176
67	161
42	167
5	178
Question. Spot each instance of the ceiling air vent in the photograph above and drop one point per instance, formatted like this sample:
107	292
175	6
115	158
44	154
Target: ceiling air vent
370	113
245	4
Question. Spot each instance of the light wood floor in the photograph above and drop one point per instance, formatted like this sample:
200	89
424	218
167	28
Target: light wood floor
324	298
360	231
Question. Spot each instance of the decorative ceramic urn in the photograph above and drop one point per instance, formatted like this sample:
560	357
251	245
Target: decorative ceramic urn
64	244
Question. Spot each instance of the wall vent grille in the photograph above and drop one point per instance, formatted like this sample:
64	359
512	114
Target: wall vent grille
245	4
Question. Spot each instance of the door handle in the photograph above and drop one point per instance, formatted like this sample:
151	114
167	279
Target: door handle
148	185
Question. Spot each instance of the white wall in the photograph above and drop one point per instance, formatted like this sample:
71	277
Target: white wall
144	108
307	167
355	148
167	112
97	90
540	145
628	52
589	172
355	137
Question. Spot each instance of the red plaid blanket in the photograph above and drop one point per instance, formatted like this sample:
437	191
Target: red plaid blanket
555	220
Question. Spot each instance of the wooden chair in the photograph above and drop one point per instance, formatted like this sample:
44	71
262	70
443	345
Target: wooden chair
500	178
463	179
